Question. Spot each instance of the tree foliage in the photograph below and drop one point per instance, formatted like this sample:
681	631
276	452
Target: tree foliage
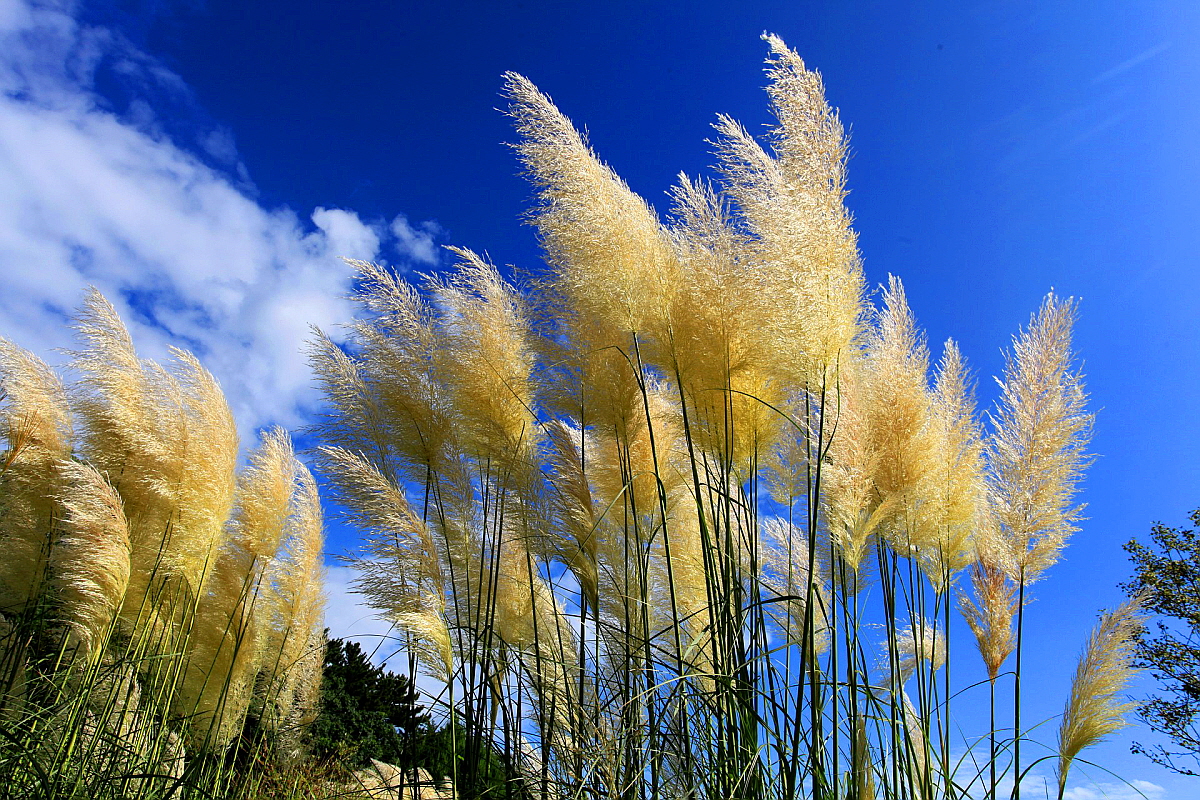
365	709
1168	572
370	713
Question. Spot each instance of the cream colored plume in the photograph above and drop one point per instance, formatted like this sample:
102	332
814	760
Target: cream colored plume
902	428
955	499
206	492
807	251
625	467
990	617
296	637
612	257
1094	710
854	505
389	399
35	424
713	344
1037	452
89	561
614	269
401	571
168	443
226	639
488	362
574	536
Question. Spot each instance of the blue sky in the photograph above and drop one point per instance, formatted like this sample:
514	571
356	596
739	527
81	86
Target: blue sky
204	163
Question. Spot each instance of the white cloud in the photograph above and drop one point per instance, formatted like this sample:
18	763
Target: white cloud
417	242
1134	790
346	233
1044	783
90	197
348	617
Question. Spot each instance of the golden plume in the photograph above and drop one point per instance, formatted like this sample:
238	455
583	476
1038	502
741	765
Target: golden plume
167	441
35	423
613	259
1105	669
806	249
296	639
488	360
991	620
89	561
401	571
901	426
224	646
955	499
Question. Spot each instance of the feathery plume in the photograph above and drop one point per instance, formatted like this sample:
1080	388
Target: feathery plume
901	419
955	497
1105	669
401	571
571	499
991	620
807	251
35	423
297	624
225	642
612	257
167	441
390	399
89	561
205	494
924	642
713	343
854	504
488	360
1037	453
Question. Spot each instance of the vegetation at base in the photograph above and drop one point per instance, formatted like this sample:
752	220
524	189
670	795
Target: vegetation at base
1167	573
369	713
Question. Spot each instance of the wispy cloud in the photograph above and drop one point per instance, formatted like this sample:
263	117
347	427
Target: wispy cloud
1039	782
1134	790
1130	63
163	221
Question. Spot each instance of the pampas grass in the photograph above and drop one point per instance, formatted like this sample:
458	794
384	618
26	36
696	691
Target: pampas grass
650	513
162	612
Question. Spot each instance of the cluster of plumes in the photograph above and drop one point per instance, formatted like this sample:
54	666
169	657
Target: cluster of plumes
594	441
133	533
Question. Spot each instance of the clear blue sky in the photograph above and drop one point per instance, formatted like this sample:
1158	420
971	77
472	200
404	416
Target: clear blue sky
174	155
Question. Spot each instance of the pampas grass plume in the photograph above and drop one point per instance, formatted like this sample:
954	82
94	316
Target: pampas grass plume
90	558
1037	453
1105	669
35	424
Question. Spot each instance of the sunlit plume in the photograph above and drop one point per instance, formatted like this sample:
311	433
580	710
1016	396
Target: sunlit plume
35	423
1038	450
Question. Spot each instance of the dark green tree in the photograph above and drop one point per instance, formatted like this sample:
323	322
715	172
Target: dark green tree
366	711
1167	572
370	713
